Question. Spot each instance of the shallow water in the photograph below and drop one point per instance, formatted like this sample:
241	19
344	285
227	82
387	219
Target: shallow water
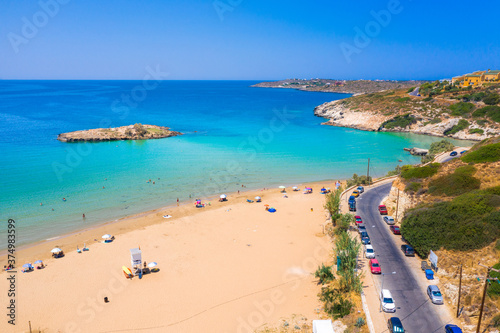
235	135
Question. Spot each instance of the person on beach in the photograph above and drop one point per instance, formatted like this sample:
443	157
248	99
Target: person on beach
177	201
83	216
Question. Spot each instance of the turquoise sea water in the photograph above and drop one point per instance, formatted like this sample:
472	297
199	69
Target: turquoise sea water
235	135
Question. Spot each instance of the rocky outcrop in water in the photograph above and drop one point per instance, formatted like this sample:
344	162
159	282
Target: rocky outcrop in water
131	132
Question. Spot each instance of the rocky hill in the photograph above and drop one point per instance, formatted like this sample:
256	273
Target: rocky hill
446	110
340	86
131	132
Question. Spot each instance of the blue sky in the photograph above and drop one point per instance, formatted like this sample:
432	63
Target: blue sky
244	39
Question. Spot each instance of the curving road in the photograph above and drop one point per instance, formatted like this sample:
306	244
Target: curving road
413	307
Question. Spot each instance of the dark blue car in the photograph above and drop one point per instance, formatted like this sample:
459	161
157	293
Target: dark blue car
453	153
395	325
452	329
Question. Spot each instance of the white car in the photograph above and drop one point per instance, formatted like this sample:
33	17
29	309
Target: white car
389	220
369	252
387	301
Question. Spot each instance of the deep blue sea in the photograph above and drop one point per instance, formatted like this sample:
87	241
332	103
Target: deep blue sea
234	135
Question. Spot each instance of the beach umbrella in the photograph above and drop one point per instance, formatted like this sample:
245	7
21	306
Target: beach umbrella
271	210
295	187
152	264
38	262
106	236
27	266
56	250
282	187
257	198
223	196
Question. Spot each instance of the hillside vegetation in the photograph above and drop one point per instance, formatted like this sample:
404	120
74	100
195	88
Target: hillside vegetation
459	201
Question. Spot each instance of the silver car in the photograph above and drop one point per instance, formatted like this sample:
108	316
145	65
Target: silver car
389	220
434	294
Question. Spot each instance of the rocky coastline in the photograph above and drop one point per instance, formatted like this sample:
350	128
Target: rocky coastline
131	132
341	115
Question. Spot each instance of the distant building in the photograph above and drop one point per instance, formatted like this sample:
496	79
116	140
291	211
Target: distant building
477	78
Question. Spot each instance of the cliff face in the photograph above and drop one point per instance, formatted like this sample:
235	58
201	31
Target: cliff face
132	132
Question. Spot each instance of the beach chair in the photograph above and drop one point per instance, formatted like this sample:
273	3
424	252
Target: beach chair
250	201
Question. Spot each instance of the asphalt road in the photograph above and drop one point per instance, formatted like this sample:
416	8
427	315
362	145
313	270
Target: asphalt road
413	306
415	92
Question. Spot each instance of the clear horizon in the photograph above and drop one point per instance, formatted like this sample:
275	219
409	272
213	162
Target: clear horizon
243	40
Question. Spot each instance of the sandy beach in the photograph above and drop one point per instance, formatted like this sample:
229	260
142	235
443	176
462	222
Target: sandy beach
229	267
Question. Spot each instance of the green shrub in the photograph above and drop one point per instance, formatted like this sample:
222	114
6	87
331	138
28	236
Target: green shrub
482	122
440	146
478	96
462	124
335	304
469	221
427	99
459	182
332	204
396	171
435	121
400	121
359	180
402	99
461	108
496	321
324	274
410	90
491	111
491	99
360	322
487	153
494	289
413	187
410	171
476	130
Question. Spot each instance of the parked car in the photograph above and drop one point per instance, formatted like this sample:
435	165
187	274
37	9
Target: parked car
375	266
358	219
361	189
365	239
369	252
463	152
453	153
389	219
355	193
352	206
361	228
382	210
395	230
408	250
395	326
352	198
450	328
387	301
435	294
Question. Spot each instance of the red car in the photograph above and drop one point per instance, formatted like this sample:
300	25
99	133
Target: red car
358	219
382	210
395	230
375	266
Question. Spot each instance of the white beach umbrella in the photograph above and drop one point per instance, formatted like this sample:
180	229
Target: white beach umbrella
223	196
257	198
282	187
106	236
152	264
295	187
56	250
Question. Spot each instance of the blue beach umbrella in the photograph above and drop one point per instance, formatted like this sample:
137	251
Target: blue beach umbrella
27	266
271	210
38	262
